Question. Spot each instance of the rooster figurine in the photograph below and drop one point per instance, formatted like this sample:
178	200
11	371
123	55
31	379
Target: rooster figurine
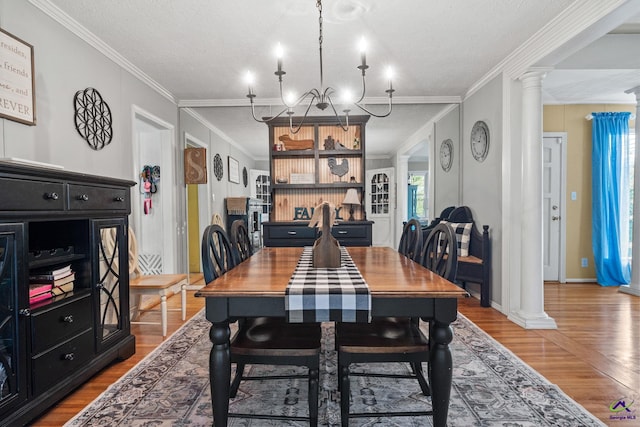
338	169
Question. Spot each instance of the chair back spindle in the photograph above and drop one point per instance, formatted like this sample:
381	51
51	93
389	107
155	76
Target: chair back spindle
440	252
217	253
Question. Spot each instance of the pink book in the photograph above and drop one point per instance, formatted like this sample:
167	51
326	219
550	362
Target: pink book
40	297
35	290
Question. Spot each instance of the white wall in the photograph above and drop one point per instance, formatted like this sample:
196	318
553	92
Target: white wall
446	184
64	64
482	181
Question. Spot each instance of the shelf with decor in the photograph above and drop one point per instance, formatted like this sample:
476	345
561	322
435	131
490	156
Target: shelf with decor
320	162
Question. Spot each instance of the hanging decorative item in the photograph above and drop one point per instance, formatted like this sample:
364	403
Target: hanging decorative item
149	178
245	176
195	165
218	167
93	118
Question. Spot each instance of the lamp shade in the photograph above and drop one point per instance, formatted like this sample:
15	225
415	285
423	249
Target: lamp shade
351	198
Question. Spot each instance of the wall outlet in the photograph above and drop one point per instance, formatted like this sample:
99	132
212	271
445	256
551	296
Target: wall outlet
574	195
584	262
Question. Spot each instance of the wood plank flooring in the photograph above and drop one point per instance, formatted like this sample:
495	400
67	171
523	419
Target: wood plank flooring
593	356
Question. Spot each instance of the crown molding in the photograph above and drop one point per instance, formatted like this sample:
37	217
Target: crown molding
84	34
217	131
573	20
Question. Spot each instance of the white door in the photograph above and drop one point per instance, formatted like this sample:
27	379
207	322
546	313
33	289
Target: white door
552	206
380	200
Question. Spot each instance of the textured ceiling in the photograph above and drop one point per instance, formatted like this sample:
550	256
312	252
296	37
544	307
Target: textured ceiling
200	50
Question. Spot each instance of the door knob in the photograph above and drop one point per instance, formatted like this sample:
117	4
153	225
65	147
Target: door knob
555	218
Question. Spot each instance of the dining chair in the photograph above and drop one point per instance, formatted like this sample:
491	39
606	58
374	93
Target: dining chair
411	239
265	340
440	252
240	240
391	339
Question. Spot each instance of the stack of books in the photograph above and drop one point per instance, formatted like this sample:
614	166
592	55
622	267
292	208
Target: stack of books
50	283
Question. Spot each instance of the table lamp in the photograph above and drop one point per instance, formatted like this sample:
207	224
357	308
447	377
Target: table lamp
351	198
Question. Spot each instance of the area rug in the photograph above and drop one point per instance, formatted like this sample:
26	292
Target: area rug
491	387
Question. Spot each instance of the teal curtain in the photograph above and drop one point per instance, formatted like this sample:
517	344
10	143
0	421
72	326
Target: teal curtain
610	198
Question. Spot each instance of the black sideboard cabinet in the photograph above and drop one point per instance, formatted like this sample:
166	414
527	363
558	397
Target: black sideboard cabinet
50	218
298	233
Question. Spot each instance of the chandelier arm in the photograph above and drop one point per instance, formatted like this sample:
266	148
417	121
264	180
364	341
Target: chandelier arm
374	114
253	113
364	89
296	129
344	127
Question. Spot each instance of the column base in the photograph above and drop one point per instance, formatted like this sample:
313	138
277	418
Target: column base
535	321
633	290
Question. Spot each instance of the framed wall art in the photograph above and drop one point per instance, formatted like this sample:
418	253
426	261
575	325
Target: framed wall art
17	84
234	170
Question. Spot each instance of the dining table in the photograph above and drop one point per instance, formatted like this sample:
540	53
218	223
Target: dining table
398	287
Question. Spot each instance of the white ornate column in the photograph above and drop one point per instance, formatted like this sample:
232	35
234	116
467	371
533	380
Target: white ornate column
634	287
531	314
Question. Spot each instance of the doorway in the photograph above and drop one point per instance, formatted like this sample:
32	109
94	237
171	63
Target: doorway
554	206
198	214
152	208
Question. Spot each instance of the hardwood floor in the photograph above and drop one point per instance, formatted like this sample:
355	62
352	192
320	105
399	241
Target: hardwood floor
593	356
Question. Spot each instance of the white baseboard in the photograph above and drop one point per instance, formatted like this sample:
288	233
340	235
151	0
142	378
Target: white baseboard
594	280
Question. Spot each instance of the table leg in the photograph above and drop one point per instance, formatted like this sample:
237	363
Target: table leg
441	371
220	372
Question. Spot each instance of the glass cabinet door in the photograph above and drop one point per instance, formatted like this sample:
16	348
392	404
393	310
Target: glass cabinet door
112	280
12	373
379	193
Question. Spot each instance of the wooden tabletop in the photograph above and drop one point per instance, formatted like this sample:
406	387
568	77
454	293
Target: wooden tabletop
387	272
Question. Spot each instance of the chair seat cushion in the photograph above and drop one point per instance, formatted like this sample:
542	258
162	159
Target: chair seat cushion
382	335
275	336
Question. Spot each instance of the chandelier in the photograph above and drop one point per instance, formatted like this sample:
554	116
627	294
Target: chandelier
322	97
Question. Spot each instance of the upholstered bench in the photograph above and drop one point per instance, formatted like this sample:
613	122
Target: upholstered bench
474	252
161	285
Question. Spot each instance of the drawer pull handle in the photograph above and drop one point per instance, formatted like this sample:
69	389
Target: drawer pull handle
293	233
83	197
118	199
51	196
25	312
68	318
342	232
69	356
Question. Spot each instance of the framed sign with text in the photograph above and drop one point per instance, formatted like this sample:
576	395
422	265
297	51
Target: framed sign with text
17	84
234	170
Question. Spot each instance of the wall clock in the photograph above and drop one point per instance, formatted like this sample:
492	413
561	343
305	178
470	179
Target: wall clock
480	140
218	167
446	154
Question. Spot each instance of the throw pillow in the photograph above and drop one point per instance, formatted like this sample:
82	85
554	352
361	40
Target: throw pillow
463	235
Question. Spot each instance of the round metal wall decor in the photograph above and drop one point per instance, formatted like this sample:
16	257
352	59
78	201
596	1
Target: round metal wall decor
245	176
218	167
93	118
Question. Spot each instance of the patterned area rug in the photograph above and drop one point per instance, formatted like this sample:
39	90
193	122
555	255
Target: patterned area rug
491	387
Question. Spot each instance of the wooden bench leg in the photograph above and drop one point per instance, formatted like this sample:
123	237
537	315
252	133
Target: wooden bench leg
163	309
183	293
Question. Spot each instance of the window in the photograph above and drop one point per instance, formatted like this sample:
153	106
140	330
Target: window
419	180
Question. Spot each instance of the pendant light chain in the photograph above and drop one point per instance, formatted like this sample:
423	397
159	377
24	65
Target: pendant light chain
319	6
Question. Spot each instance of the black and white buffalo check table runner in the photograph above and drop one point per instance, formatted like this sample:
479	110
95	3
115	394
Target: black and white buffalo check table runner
327	294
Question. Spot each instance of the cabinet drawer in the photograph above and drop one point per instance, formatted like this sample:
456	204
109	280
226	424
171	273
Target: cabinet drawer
61	361
53	326
22	195
83	197
291	232
349	231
